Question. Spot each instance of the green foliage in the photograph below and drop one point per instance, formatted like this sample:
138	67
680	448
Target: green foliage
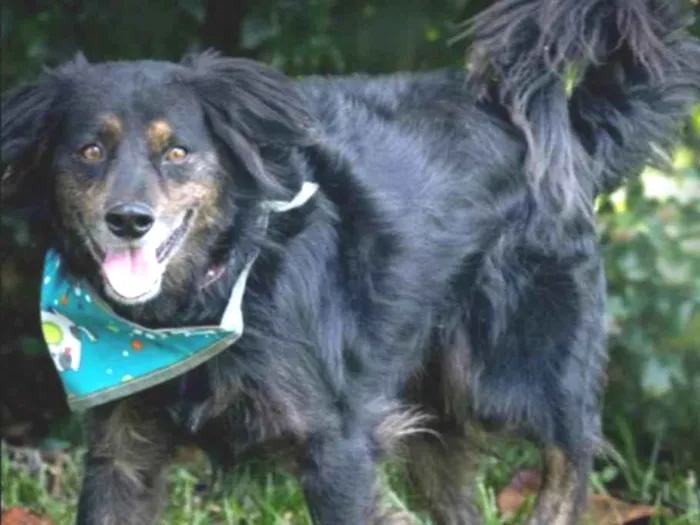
352	36
651	234
50	488
299	36
37	34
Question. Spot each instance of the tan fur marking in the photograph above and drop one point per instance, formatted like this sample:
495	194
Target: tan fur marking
130	447
178	196
158	134
111	125
87	199
394	517
441	474
200	193
556	501
128	436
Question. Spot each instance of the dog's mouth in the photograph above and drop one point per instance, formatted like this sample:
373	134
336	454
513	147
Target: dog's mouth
174	240
133	274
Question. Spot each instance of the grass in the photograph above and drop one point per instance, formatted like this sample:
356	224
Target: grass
50	488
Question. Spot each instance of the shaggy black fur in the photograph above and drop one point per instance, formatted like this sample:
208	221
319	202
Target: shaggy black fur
449	262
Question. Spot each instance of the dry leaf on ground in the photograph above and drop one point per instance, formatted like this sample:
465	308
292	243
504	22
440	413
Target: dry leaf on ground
19	516
600	509
606	510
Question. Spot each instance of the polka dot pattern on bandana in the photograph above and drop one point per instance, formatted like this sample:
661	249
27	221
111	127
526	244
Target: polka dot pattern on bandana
96	352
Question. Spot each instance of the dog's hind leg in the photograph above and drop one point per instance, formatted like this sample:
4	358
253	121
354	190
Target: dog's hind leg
441	470
563	490
129	448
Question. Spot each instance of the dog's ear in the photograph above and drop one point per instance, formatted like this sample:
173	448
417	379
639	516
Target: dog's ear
250	108
30	116
25	127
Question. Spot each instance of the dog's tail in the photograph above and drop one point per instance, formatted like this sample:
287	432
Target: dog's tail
594	85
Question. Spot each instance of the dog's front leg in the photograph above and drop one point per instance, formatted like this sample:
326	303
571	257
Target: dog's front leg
338	477
563	493
129	447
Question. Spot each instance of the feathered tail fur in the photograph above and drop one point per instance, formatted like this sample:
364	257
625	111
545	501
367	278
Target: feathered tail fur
592	85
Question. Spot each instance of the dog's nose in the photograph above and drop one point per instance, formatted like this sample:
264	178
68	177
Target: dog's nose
129	221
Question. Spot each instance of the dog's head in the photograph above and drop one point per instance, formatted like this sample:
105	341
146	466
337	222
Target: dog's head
147	166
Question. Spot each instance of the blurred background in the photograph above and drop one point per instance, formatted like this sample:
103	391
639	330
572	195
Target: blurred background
650	229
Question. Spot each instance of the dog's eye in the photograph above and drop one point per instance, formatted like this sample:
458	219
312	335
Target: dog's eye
176	154
91	153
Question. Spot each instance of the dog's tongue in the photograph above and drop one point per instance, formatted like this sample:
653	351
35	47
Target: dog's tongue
131	272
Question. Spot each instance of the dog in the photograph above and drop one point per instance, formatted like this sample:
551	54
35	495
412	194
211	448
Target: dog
445	277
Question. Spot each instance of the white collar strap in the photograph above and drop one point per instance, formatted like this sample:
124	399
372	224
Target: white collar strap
232	319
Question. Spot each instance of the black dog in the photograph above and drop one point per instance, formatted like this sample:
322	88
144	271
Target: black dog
446	274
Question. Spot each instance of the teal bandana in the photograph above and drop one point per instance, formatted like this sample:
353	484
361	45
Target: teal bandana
101	356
